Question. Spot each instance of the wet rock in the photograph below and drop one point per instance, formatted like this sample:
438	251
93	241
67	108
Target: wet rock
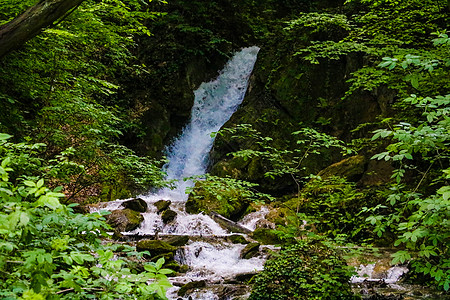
168	216
162	205
124	219
176	240
377	296
190	286
263	223
155	247
192	206
351	168
237	239
228	224
251	250
137	204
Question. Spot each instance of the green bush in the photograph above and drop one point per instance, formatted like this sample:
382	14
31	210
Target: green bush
306	270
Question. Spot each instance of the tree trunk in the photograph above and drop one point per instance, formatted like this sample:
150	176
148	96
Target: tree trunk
27	25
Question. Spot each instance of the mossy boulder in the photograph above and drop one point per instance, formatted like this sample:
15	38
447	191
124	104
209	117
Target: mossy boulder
351	168
155	247
162	205
229	203
266	236
191	286
136	204
306	270
168	216
237	239
176	240
249	251
124	219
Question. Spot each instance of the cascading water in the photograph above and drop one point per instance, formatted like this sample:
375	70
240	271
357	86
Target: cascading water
214	260
214	104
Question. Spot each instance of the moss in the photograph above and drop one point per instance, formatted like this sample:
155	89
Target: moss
249	251
168	216
351	168
266	236
162	205
237	239
228	204
124	219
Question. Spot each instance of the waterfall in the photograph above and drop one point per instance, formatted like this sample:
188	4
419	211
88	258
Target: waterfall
214	104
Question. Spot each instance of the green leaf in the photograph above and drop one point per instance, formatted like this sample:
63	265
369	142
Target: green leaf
4	136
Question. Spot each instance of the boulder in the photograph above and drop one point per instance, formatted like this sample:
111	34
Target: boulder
136	204
228	202
176	240
351	168
251	250
124	219
265	236
155	247
237	239
168	216
162	205
190	286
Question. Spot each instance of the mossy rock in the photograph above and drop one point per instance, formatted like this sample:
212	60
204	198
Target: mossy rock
168	216
176	240
249	251
173	265
266	236
190	286
155	247
228	204
162	205
237	239
168	257
306	270
137	204
124	219
351	168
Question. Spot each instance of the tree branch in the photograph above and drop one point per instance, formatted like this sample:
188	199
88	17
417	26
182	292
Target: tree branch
30	23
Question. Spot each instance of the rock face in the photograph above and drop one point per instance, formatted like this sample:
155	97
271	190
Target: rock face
124	219
137	204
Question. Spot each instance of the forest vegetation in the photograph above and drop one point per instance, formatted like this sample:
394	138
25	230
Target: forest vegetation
346	127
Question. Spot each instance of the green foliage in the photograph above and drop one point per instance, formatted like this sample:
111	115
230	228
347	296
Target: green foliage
49	252
307	270
63	89
421	217
280	162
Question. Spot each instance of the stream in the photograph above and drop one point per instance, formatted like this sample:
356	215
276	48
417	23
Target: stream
210	255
